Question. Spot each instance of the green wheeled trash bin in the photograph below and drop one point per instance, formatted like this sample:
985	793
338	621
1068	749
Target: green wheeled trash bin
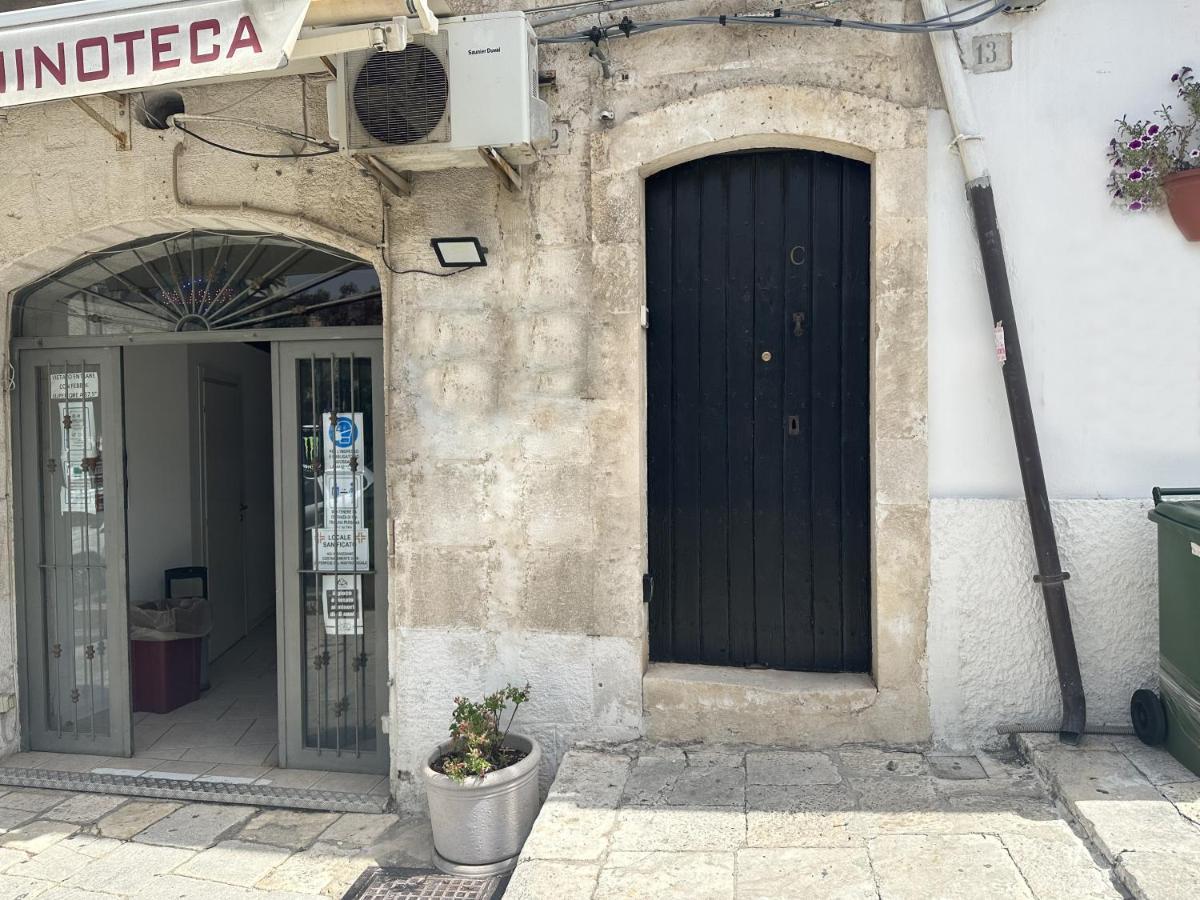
1172	717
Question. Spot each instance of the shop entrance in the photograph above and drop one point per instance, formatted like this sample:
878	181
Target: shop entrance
201	499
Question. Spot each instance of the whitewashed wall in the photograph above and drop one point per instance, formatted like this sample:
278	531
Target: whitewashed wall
1110	322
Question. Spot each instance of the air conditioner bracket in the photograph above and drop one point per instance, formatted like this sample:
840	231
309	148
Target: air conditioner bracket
121	136
398	184
508	176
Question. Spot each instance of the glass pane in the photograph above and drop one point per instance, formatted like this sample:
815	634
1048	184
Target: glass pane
337	553
201	281
74	597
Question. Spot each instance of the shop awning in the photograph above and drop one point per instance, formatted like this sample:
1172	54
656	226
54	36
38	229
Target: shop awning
56	50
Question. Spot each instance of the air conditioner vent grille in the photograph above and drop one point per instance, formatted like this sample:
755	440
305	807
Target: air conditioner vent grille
401	98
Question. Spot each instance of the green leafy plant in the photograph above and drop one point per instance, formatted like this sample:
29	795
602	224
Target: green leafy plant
1145	152
477	740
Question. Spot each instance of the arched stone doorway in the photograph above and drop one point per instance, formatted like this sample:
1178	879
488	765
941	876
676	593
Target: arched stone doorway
204	399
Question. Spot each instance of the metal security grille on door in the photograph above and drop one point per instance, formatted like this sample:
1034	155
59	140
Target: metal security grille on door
334	609
72	485
758	417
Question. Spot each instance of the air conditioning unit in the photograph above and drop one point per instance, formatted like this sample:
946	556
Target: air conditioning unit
436	102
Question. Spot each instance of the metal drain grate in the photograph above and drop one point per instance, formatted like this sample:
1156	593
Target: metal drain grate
176	789
423	884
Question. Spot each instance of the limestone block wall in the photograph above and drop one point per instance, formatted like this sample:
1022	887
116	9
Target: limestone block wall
515	393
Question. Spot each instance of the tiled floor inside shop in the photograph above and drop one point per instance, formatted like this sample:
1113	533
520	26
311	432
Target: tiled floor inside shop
229	736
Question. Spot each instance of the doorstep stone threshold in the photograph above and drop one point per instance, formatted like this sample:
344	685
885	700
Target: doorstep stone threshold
193	791
684	702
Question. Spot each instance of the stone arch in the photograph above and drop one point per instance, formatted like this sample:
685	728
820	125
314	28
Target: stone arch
16	273
892	138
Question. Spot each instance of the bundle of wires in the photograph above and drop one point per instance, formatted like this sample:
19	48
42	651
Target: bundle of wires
798	18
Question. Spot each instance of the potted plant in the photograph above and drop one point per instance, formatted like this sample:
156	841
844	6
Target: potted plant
1159	161
482	787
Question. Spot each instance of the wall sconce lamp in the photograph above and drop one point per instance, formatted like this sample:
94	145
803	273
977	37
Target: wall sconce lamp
459	252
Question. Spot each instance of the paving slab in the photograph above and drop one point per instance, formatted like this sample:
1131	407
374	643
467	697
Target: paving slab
794	873
709	786
358	829
1160	875
53	864
790	767
678	829
666	876
128	868
955	768
565	831
14	888
598	777
84	809
312	871
234	862
32	799
38	835
538	879
856	822
134	817
874	761
195	825
801	815
946	866
650	779
1186	798
292	828
1059	868
1138	827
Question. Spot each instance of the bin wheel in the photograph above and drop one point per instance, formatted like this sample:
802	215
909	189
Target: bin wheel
1149	717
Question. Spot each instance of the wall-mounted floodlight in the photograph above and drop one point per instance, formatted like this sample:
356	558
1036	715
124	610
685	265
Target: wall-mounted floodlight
459	252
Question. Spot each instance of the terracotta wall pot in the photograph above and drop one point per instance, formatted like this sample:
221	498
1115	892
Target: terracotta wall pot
480	825
1183	200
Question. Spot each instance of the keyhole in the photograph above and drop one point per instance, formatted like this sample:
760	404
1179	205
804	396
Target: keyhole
766	356
793	424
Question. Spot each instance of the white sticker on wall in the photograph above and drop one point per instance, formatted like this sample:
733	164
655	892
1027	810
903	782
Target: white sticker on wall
1195	549
341	604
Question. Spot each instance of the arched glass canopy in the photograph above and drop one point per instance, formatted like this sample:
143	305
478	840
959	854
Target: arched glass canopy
201	281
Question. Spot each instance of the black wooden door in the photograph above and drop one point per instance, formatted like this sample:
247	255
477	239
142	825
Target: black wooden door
758	419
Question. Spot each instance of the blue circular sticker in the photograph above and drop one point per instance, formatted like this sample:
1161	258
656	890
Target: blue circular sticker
343	432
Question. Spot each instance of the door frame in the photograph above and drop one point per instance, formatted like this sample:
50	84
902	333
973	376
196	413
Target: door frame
109	345
25	468
292	752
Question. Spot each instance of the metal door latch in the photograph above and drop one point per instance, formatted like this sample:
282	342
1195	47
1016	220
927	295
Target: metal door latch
798	324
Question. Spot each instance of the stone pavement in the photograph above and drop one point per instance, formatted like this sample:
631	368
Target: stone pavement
1138	806
727	823
57	845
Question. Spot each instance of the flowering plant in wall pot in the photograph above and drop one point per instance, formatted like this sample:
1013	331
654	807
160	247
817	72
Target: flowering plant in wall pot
482	786
1157	161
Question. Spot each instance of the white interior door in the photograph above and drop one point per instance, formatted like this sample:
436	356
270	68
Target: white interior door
223	509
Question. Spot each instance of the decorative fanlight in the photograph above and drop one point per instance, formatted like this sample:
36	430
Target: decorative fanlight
202	281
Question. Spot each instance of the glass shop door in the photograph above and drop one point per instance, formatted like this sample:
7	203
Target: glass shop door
331	554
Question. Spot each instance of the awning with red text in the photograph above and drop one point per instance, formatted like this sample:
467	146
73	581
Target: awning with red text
51	52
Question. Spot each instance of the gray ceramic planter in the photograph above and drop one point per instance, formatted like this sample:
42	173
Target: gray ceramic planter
480	825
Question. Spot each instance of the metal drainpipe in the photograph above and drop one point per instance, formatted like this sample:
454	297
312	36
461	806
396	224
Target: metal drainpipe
983	204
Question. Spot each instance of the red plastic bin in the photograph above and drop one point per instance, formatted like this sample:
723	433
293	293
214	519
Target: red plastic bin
166	674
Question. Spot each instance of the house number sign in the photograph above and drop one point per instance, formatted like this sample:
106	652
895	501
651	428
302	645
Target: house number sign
991	53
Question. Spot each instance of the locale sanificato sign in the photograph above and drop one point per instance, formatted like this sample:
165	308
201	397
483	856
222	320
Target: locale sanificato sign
95	46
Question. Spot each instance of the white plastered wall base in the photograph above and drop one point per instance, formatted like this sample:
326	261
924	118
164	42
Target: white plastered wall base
990	660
